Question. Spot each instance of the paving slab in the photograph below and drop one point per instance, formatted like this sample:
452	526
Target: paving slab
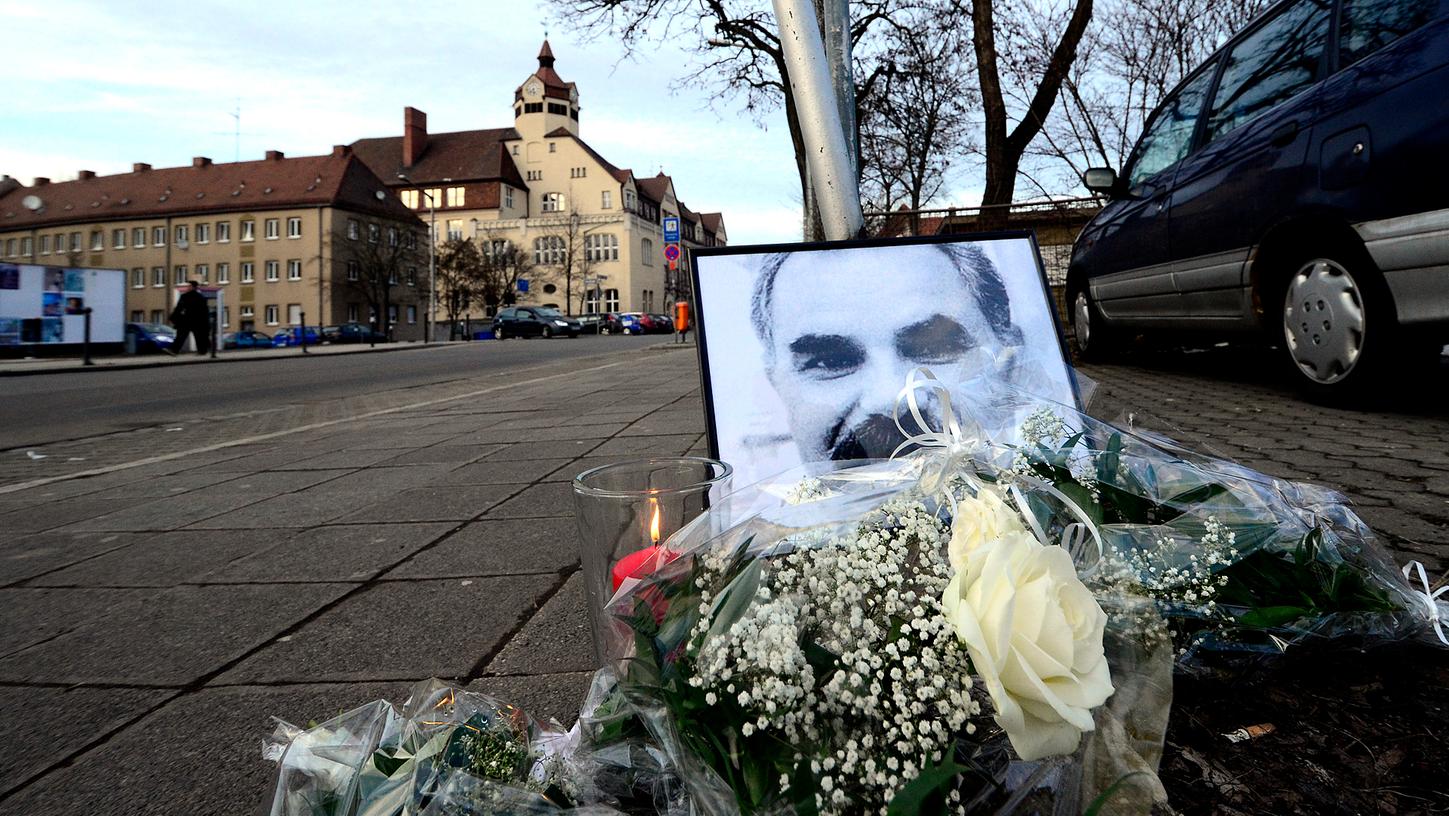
668	445
44	725
441	503
556	639
164	559
198	754
562	449
339	459
506	470
403	630
28	555
35	615
458	454
168	637
498	547
171	514
63	513
536	501
352	552
544	696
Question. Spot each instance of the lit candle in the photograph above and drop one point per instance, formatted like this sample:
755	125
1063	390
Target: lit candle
639	563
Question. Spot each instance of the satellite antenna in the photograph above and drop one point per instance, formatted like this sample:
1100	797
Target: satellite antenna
32	203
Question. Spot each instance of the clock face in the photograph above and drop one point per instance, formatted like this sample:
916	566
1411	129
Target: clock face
533	88
574	96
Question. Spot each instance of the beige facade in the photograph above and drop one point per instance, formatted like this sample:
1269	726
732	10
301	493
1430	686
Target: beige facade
592	230
273	263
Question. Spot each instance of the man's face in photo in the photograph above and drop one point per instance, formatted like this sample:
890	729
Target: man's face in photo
849	325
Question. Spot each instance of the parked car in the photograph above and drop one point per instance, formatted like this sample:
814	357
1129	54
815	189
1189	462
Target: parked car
611	324
663	323
353	333
533	321
245	340
634	323
1290	187
293	337
149	338
591	323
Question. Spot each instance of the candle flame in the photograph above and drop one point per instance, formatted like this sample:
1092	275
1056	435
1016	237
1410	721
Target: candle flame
654	522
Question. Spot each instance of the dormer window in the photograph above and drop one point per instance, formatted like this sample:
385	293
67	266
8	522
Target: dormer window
533	107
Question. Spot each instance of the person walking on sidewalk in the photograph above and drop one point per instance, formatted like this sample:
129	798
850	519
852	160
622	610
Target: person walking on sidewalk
191	316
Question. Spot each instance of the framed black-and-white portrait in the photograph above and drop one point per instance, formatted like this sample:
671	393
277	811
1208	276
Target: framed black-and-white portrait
804	348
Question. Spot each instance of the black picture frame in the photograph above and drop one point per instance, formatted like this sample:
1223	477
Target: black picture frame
702	318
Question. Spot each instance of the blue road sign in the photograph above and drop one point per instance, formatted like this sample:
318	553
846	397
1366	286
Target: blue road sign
522	285
671	230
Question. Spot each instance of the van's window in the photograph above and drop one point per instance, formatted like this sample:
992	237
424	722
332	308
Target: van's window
1168	138
1368	25
1270	65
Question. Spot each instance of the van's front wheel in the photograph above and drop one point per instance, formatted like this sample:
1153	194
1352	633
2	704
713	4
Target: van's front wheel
1093	340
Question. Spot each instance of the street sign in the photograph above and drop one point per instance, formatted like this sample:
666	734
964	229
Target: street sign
671	230
522	285
671	252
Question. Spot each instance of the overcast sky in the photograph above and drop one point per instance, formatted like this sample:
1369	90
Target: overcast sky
98	85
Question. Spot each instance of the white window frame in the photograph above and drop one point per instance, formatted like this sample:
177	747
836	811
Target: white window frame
409	199
606	200
183	234
273	229
353	229
158	277
294	269
272	315
223	273
202	273
248	272
223	232
247	311
412	314
158	236
98	241
249	230
179	275
294	227
118	239
354	270
203	233
455	234
273	270
138	237
554	202
507	196
138	277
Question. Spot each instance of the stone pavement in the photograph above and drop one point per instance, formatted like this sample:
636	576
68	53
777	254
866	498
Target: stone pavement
158	615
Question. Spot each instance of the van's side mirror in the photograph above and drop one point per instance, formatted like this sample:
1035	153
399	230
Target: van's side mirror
1101	180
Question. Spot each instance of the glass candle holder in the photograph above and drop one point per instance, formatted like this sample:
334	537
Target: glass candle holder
627	510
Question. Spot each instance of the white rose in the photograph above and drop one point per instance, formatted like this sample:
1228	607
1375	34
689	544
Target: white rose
986	517
1034	633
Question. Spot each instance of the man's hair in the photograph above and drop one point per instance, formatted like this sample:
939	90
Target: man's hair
978	274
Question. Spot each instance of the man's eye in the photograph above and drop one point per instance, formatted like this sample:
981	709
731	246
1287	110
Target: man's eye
826	356
938	339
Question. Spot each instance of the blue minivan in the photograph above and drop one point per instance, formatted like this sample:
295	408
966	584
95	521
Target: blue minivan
1294	186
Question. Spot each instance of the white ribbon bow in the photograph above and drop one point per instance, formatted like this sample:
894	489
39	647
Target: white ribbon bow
955	445
1429	595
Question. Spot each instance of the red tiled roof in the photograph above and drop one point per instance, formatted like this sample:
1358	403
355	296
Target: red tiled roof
466	155
553	84
622	176
712	221
336	180
654	188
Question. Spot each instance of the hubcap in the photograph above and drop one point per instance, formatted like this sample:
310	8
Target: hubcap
1324	321
1082	325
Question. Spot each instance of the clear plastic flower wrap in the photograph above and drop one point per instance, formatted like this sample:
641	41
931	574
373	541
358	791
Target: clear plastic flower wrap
988	622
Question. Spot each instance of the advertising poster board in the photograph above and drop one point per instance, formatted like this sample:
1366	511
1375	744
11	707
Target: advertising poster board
45	305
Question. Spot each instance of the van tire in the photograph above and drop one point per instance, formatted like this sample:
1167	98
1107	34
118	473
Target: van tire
1092	339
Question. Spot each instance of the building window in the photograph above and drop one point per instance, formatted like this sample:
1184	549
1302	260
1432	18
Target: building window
98	240
412	241
392	277
249	272
601	247
158	276
223	232
272	315
646	249
294	314
409	198
223	273
392	314
118	240
455	229
434	195
352	312
412	314
392	236
553	202
574	114
180	276
606	200
60	242
138	315
26	245
611	300
535	175
158	316
507	196
203	233
533	107
158	236
138	278
10	244
515	150
455	196
247	311
273	229
45	245
181	234
203	273
374	232
352	270
294	228
294	269
548	249
249	230
225	316
75	241
274	271
495	249
138	237
412	276
553	147
577	172
352	229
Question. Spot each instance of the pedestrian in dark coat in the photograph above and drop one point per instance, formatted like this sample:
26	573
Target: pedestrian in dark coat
191	316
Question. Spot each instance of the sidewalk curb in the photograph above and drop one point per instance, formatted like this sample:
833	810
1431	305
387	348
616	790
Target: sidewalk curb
164	361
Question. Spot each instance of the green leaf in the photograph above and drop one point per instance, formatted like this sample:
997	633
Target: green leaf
1083	499
1110	459
1271	616
733	602
927	792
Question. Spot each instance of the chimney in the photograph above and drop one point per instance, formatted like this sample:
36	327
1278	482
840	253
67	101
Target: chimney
415	135
40	181
200	161
85	175
339	151
140	167
275	155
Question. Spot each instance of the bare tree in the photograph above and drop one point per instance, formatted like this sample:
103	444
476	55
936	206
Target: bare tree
377	263
503	264
915	128
460	278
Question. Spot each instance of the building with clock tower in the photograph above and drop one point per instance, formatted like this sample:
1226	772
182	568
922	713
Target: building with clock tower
589	230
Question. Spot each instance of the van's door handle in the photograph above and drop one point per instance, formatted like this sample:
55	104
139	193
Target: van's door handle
1284	134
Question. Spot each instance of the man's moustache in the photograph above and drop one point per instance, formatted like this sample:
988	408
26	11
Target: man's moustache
875	437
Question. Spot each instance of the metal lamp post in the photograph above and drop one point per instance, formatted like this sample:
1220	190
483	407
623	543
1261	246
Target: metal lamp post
431	317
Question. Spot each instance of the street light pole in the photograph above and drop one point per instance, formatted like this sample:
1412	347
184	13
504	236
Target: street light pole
430	319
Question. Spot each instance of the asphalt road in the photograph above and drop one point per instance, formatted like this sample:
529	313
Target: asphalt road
49	408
